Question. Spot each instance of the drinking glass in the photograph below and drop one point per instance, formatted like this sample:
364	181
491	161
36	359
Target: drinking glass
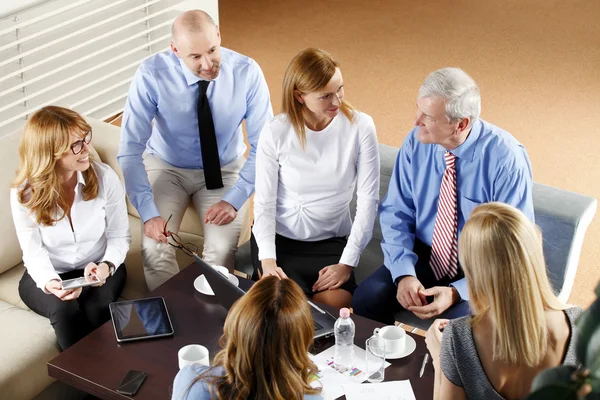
375	358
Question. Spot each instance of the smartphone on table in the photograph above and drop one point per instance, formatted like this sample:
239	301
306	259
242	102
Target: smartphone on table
132	382
70	284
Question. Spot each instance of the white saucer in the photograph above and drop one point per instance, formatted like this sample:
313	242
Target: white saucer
410	346
201	285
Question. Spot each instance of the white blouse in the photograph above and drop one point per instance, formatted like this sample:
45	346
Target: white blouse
306	194
100	230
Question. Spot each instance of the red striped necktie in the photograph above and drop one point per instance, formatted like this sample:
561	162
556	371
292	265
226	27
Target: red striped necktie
444	246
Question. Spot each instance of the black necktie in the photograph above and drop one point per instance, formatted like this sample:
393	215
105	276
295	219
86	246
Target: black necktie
208	140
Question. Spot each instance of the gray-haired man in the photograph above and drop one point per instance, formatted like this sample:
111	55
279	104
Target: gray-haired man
451	162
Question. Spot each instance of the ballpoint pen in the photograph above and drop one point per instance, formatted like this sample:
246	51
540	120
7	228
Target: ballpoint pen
425	360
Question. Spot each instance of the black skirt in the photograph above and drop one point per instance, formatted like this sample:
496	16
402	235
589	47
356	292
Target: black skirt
301	261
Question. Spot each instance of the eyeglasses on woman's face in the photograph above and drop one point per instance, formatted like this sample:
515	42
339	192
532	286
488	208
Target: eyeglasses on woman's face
77	147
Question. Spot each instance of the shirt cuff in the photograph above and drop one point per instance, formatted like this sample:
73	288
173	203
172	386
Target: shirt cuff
114	256
350	257
462	289
401	269
266	248
235	197
41	281
148	211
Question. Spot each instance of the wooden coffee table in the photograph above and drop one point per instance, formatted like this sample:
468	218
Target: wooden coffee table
97	363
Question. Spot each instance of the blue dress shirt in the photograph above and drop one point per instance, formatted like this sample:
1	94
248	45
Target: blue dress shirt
491	165
186	387
160	117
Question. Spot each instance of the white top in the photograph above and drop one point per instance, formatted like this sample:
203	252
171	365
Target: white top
101	230
305	194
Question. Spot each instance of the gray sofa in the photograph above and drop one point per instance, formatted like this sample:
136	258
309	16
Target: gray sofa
563	217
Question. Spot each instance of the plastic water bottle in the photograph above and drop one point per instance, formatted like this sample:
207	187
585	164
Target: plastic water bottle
343	354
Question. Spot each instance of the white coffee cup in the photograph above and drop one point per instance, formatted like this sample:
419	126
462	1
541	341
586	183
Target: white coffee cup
394	336
193	354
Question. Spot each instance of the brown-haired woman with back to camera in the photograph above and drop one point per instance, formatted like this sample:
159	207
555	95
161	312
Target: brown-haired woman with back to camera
518	328
310	161
265	344
71	221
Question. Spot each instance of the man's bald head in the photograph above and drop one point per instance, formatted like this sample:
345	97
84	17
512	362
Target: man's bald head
197	42
192	21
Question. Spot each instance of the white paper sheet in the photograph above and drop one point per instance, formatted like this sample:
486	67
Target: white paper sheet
332	379
394	390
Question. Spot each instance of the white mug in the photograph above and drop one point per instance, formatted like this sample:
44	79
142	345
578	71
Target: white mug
193	354
394	336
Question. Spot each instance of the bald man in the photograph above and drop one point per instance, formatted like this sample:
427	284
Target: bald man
182	140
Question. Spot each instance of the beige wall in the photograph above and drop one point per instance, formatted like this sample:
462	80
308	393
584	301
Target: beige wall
537	63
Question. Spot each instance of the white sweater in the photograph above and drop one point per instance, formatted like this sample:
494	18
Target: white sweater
305	194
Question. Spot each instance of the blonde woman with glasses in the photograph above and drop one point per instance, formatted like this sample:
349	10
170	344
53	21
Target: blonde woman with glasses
518	326
71	220
310	161
265	343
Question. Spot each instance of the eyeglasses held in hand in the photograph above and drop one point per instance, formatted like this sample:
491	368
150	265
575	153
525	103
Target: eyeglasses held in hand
77	147
189	249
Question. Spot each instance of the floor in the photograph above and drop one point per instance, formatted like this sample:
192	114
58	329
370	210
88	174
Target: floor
536	63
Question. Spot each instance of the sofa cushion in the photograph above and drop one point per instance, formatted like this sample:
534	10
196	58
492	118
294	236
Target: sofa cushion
28	343
9	286
9	246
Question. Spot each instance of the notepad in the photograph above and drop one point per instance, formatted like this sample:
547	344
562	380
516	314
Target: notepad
394	390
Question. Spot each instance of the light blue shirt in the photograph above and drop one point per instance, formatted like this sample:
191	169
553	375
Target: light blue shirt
161	117
491	165
200	390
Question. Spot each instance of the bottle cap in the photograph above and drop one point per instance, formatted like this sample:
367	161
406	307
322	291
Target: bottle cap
344	313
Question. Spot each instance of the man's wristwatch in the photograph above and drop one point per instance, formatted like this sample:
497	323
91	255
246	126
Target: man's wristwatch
111	267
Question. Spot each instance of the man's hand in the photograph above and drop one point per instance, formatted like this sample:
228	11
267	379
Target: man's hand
270	268
221	213
443	298
408	294
433	338
100	271
332	277
55	287
154	228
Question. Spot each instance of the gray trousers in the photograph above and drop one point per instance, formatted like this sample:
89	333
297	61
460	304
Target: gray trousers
173	188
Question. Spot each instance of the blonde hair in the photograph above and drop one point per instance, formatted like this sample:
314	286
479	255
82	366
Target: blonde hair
502	256
45	139
309	71
265	343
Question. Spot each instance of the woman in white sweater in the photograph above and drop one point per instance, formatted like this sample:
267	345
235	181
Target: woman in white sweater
310	160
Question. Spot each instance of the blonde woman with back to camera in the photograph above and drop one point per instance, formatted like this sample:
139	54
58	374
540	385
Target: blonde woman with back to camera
518	326
310	161
265	343
71	221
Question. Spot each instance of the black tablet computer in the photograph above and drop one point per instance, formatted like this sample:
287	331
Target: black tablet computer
140	319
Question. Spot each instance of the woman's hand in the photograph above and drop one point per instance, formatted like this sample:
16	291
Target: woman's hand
270	268
332	277
55	287
433	338
100	271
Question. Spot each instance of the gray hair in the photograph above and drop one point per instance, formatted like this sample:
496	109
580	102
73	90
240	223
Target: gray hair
458	88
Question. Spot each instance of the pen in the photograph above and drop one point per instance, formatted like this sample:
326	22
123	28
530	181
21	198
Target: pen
425	359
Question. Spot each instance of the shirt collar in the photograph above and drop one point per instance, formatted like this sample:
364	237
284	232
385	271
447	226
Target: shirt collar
80	178
466	151
190	77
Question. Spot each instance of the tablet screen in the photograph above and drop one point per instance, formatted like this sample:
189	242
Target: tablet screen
140	319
